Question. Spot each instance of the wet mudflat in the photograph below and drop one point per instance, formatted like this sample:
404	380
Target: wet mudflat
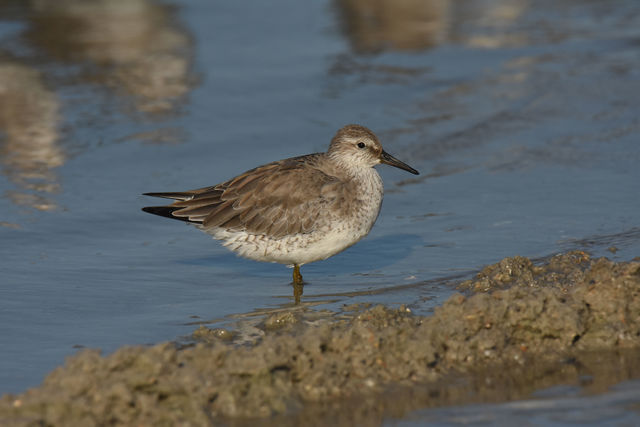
521	115
571	320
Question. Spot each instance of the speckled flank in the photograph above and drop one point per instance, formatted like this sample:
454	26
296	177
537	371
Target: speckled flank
332	233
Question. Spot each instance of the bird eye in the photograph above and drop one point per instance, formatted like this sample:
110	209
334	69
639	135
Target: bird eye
361	145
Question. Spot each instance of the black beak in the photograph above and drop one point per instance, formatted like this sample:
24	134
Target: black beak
388	159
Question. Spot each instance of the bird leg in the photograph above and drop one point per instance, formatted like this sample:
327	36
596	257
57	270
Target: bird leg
297	284
297	277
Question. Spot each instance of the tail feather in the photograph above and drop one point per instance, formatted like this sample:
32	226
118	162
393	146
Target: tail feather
174	195
166	211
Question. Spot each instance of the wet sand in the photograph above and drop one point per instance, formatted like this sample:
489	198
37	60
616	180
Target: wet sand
516	327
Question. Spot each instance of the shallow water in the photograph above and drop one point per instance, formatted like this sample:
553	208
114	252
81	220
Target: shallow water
522	117
557	406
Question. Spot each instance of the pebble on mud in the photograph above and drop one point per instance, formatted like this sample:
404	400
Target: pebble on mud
208	334
281	320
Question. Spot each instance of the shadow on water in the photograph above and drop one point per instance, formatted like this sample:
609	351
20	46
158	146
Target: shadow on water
373	258
372	254
249	326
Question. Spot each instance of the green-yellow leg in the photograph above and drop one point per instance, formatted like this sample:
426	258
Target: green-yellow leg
297	277
297	284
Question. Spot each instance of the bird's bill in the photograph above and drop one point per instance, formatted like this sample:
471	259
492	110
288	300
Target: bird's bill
388	159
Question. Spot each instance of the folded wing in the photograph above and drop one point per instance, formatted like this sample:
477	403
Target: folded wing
278	199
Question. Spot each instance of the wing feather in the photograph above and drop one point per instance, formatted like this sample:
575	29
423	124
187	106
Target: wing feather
280	198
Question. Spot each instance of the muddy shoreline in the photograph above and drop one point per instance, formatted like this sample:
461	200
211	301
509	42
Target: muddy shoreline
514	328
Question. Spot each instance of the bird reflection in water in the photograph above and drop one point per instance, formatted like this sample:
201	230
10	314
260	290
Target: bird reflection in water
29	150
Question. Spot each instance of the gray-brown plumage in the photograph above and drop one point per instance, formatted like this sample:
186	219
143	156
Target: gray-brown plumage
293	211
